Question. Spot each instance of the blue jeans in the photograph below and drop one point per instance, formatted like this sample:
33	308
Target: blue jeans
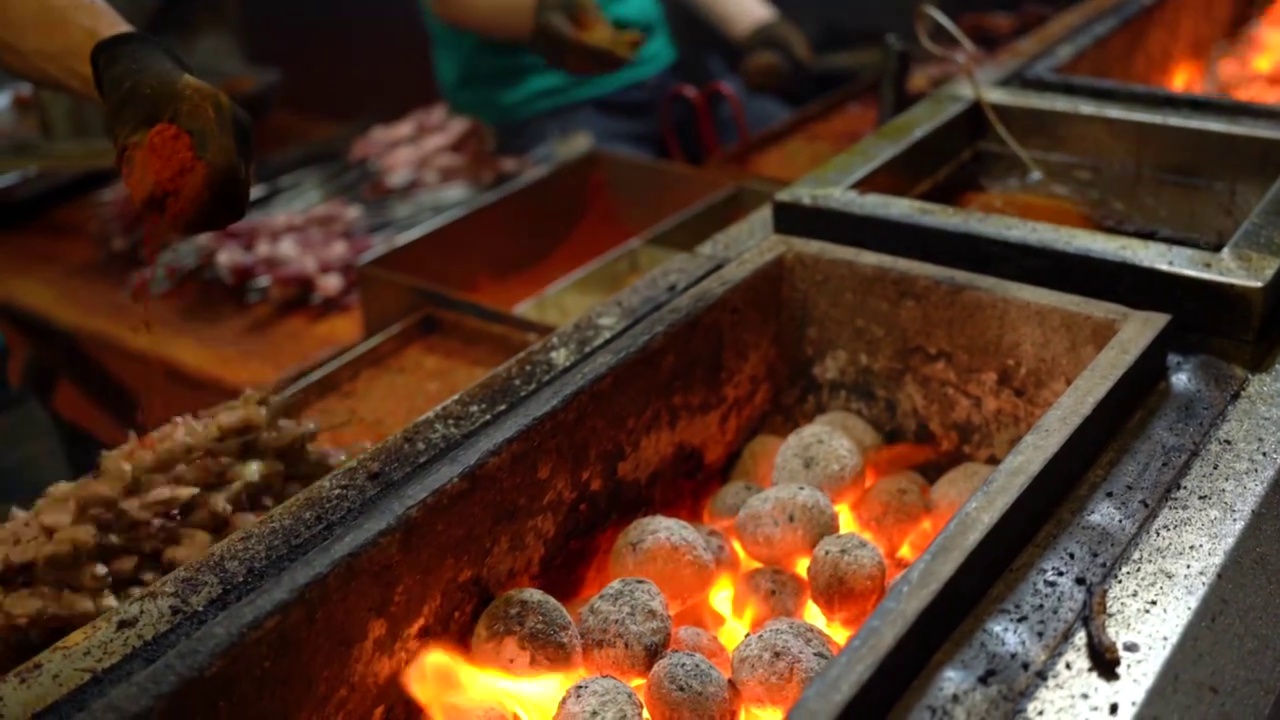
629	121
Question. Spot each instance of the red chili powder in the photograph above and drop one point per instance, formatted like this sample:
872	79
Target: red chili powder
165	176
166	181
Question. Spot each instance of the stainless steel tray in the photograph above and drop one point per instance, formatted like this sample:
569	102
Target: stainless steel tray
1215	273
521	240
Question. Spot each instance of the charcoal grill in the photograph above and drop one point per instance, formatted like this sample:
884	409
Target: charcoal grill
522	239
1200	196
1132	46
790	328
105	652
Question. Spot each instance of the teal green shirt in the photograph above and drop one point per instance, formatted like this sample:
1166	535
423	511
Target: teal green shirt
502	82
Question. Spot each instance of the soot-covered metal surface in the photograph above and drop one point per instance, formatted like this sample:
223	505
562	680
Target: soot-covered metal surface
78	670
1179	526
1007	646
779	334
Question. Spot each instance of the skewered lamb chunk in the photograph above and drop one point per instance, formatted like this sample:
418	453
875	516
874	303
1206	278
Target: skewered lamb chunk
153	504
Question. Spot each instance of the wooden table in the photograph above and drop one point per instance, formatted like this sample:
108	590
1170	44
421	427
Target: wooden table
133	364
174	354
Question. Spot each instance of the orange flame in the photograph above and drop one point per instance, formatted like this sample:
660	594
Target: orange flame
1249	70
1187	76
448	686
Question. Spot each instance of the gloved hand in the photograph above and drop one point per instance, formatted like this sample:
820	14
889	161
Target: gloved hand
774	56
142	86
575	36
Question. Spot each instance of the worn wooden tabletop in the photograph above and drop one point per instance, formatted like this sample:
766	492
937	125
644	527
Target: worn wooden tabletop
189	347
173	354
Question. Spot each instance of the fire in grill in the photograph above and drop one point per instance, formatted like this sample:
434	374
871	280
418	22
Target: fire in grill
793	553
653	425
1215	54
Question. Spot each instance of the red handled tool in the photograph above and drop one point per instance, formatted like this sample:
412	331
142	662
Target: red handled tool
702	100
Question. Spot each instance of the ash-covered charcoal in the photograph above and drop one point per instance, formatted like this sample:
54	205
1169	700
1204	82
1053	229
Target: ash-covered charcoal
722	509
846	578
955	488
690	638
669	552
721	551
687	686
820	456
785	522
854	427
526	631
153	504
600	698
893	507
772	667
770	592
625	628
755	463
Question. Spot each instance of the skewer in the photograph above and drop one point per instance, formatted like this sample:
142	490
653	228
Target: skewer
964	57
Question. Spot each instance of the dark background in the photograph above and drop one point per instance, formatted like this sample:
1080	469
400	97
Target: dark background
367	59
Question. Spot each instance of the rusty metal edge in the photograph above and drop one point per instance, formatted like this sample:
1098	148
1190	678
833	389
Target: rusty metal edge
1072	429
322	379
1213	293
106	653
738	239
661	234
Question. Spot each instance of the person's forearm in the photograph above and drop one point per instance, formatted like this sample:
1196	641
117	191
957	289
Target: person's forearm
49	41
736	19
503	20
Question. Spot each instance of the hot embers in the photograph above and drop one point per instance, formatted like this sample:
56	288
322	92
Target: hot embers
1247	68
696	634
1223	49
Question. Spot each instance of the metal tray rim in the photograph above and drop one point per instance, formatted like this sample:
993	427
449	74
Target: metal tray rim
1043	236
849	168
1248	264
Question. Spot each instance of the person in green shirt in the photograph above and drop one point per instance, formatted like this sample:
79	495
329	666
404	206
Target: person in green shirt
538	69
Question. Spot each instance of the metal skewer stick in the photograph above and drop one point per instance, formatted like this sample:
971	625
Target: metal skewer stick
964	56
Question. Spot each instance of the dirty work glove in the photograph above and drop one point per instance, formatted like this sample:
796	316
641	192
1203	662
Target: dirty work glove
575	36
142	85
774	55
